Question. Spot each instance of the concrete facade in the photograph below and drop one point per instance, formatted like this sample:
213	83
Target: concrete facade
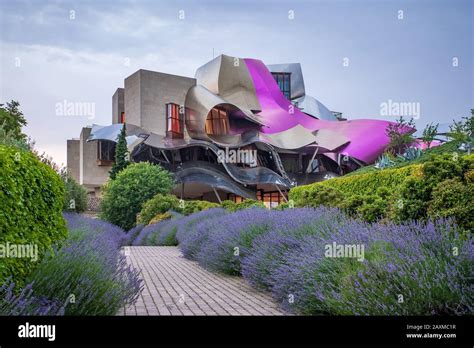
91	175
143	99
73	158
146	95
118	105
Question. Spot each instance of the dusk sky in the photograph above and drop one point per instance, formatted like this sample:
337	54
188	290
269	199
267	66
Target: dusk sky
355	55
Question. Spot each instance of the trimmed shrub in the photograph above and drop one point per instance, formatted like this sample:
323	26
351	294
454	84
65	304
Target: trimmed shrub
399	194
453	198
411	200
160	204
245	204
440	168
90	267
157	205
160	217
124	197
75	197
31	202
363	184
228	205
373	208
413	196
191	207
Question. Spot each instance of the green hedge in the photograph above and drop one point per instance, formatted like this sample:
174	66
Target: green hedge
31	202
160	204
245	204
191	207
440	187
157	205
364	184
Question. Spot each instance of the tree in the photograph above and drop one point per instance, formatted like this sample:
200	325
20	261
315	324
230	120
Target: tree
429	134
462	131
124	197
400	134
12	120
75	197
121	154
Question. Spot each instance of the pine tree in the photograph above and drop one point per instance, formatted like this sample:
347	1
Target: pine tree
121	154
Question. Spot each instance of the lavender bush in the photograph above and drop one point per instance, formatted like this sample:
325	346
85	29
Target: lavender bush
228	242
88	272
133	233
408	269
24	302
190	234
160	233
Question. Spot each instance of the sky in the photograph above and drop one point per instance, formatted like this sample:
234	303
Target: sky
358	57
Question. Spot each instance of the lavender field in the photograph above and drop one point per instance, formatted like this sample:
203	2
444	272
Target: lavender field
404	269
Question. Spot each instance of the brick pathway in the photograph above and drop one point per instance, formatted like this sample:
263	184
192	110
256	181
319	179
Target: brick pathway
177	286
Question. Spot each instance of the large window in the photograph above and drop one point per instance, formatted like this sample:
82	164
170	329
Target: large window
105	152
271	199
217	122
234	198
283	81
174	121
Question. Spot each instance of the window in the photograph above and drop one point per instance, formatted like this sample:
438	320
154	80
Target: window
217	122
105	152
174	121
234	198
122	117
271	199
283	81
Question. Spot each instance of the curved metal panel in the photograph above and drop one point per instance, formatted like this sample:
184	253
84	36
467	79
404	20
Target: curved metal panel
311	106
296	81
246	176
212	178
368	138
229	78
111	133
199	102
293	138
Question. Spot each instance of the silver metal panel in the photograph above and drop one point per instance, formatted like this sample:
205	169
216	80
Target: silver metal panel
213	179
311	106
293	138
112	132
229	78
199	101
247	176
297	82
330	140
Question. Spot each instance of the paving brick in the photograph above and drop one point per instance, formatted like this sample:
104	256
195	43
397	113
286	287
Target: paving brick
177	286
